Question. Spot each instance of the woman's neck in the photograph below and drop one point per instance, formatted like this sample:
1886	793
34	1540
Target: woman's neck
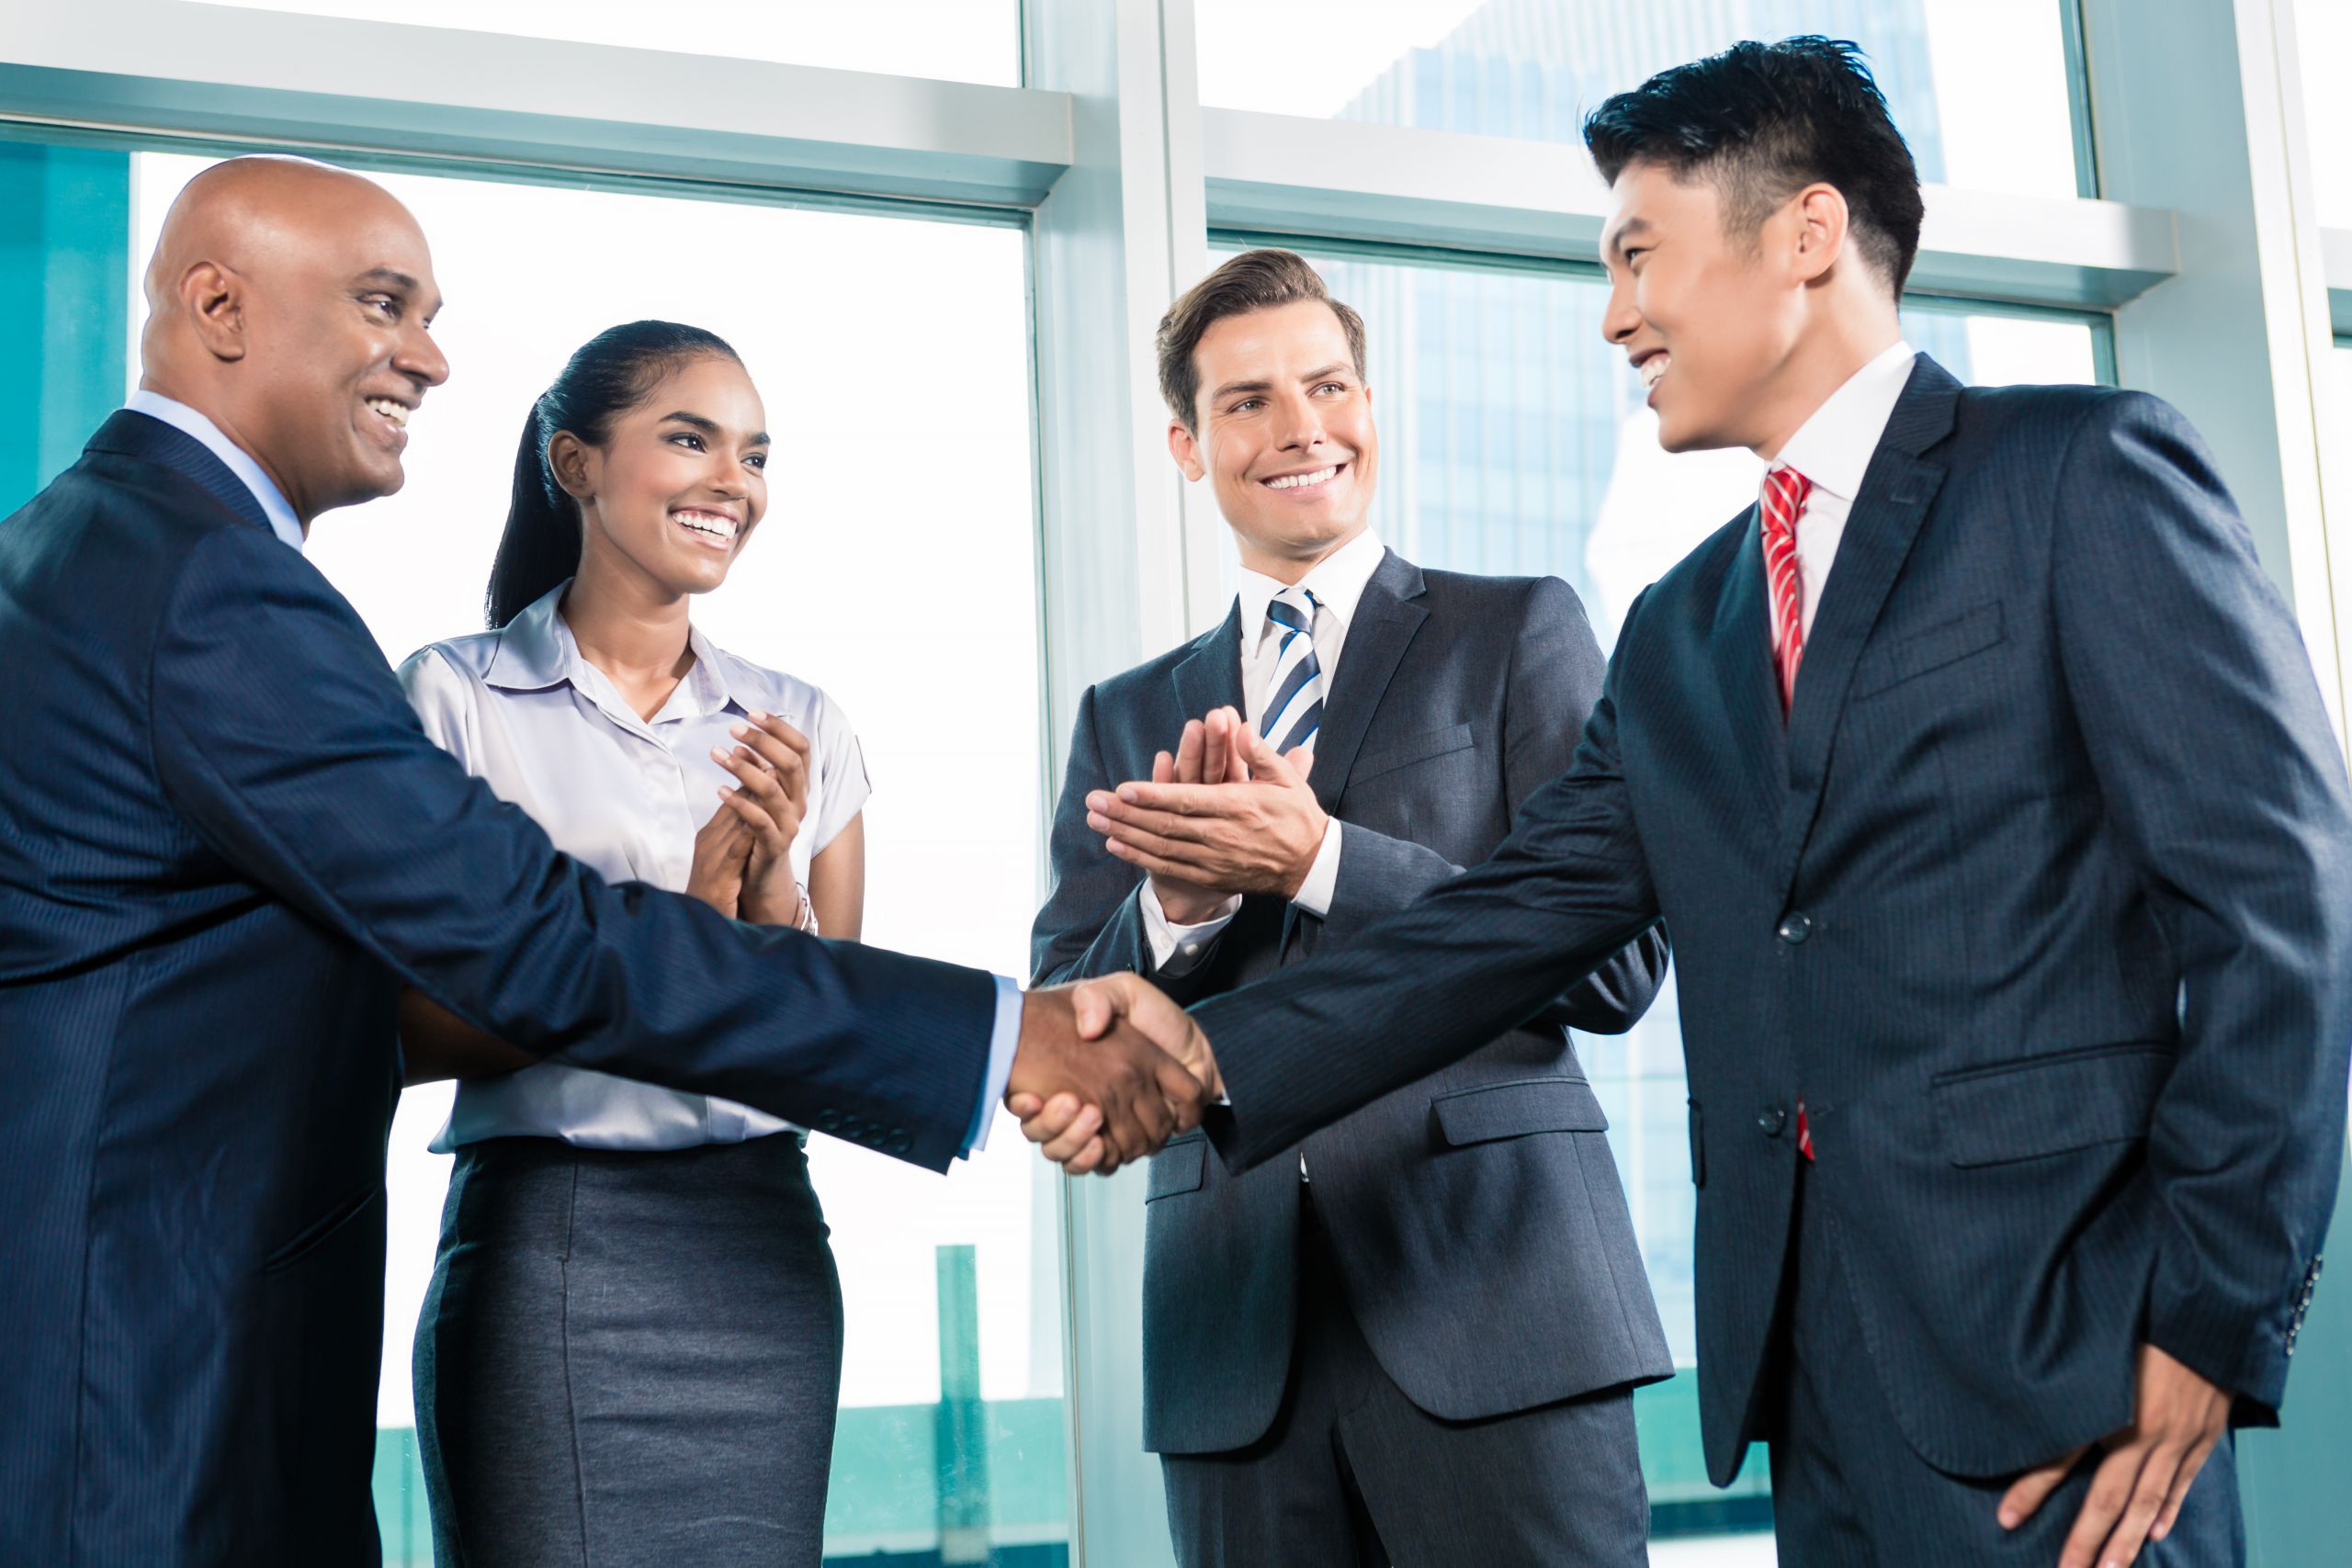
634	633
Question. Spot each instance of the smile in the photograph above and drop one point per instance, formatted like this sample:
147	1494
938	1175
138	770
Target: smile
1305	482
395	414
714	526
1652	369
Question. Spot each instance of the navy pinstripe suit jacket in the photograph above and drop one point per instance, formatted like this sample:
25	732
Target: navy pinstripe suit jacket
224	845
2042	899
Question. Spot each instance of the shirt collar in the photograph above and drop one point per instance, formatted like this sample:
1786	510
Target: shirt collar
180	417
1833	448
1338	584
537	650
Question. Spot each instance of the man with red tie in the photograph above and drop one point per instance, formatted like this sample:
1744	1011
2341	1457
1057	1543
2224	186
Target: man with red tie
1980	774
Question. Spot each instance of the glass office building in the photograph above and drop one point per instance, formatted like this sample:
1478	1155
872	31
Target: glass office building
940	233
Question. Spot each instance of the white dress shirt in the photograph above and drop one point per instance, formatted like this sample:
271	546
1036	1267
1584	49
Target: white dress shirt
1338	584
549	732
182	418
1833	448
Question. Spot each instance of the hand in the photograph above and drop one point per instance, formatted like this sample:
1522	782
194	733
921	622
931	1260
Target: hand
1128	1065
1206	754
2137	1490
1259	835
722	852
1066	1125
770	797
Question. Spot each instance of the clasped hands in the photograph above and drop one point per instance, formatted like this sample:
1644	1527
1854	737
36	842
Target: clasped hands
743	859
1221	816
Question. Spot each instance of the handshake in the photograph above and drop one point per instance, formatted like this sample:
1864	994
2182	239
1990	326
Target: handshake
1107	1071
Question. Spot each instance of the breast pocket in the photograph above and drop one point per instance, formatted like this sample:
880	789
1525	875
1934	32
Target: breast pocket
1405	753
1974	632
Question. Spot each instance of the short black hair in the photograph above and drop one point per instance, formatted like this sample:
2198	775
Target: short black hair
1764	120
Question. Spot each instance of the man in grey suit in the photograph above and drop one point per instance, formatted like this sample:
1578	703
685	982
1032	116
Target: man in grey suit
1982	776
1415	1337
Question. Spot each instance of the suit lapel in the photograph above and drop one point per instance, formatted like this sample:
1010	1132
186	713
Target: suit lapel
1897	490
1210	676
1386	617
1741	643
129	434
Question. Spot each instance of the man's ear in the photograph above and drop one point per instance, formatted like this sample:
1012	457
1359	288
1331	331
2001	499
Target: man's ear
1185	447
213	297
571	460
1821	227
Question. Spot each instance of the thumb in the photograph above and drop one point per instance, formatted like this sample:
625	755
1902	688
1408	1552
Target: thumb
1094	1007
1302	761
1267	763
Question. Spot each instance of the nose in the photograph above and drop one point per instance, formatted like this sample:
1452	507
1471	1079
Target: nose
1621	321
1302	425
420	359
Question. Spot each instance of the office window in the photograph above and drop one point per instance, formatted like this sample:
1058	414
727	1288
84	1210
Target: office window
1981	87
951	40
1515	440
2323	42
893	357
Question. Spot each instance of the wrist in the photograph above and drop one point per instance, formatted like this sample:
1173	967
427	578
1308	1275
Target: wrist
1303	865
1187	905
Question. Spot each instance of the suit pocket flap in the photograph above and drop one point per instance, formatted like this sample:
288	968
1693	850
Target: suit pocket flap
1971	631
1515	1110
1181	1167
2047	1105
1412	749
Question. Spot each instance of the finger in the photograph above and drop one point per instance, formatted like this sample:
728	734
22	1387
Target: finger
1094	1007
1176	868
1064	1141
1302	762
1187	800
755	817
2179	1492
1095	1158
1187	1098
1155	831
1189	746
2111	1493
776	729
2024	1498
1218	747
1023	1105
1163	768
1229	806
2148	1495
1267	763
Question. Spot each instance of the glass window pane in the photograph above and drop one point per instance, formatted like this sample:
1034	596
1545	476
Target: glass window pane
950	41
1515	440
2323	43
1978	87
950	1286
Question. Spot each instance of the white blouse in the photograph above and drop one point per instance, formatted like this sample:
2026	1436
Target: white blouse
549	732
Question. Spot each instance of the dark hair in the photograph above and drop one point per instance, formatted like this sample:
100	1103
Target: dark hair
1764	120
1254	280
611	373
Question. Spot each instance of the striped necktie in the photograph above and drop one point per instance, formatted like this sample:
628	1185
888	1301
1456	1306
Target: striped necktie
1786	492
1294	696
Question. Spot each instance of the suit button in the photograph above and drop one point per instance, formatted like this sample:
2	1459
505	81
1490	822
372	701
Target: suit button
1794	927
1770	1119
827	1121
901	1144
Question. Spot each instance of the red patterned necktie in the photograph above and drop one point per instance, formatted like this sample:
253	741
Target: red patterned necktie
1786	492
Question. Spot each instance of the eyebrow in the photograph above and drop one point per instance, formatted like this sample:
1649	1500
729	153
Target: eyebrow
707	426
1631	226
392	277
1337	367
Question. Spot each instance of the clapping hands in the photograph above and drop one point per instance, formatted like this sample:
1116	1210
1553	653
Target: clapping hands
742	862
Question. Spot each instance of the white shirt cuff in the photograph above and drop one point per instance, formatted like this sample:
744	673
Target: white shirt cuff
1322	884
1174	948
1001	1048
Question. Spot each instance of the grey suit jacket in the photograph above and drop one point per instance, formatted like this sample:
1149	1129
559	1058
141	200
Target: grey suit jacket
1476	1218
2042	899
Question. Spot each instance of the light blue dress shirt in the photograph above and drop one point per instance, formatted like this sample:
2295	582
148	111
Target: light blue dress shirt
548	731
180	417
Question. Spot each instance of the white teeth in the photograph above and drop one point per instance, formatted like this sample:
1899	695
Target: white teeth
711	522
390	411
1653	369
1293	482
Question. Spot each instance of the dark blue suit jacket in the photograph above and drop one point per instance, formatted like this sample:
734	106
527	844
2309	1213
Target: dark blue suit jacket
224	845
2043	900
1475	1216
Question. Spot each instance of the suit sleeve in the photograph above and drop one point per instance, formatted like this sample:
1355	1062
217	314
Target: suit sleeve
283	739
2215	762
1555	676
1091	924
1475	955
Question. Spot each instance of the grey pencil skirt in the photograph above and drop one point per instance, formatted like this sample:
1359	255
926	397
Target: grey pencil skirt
629	1359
